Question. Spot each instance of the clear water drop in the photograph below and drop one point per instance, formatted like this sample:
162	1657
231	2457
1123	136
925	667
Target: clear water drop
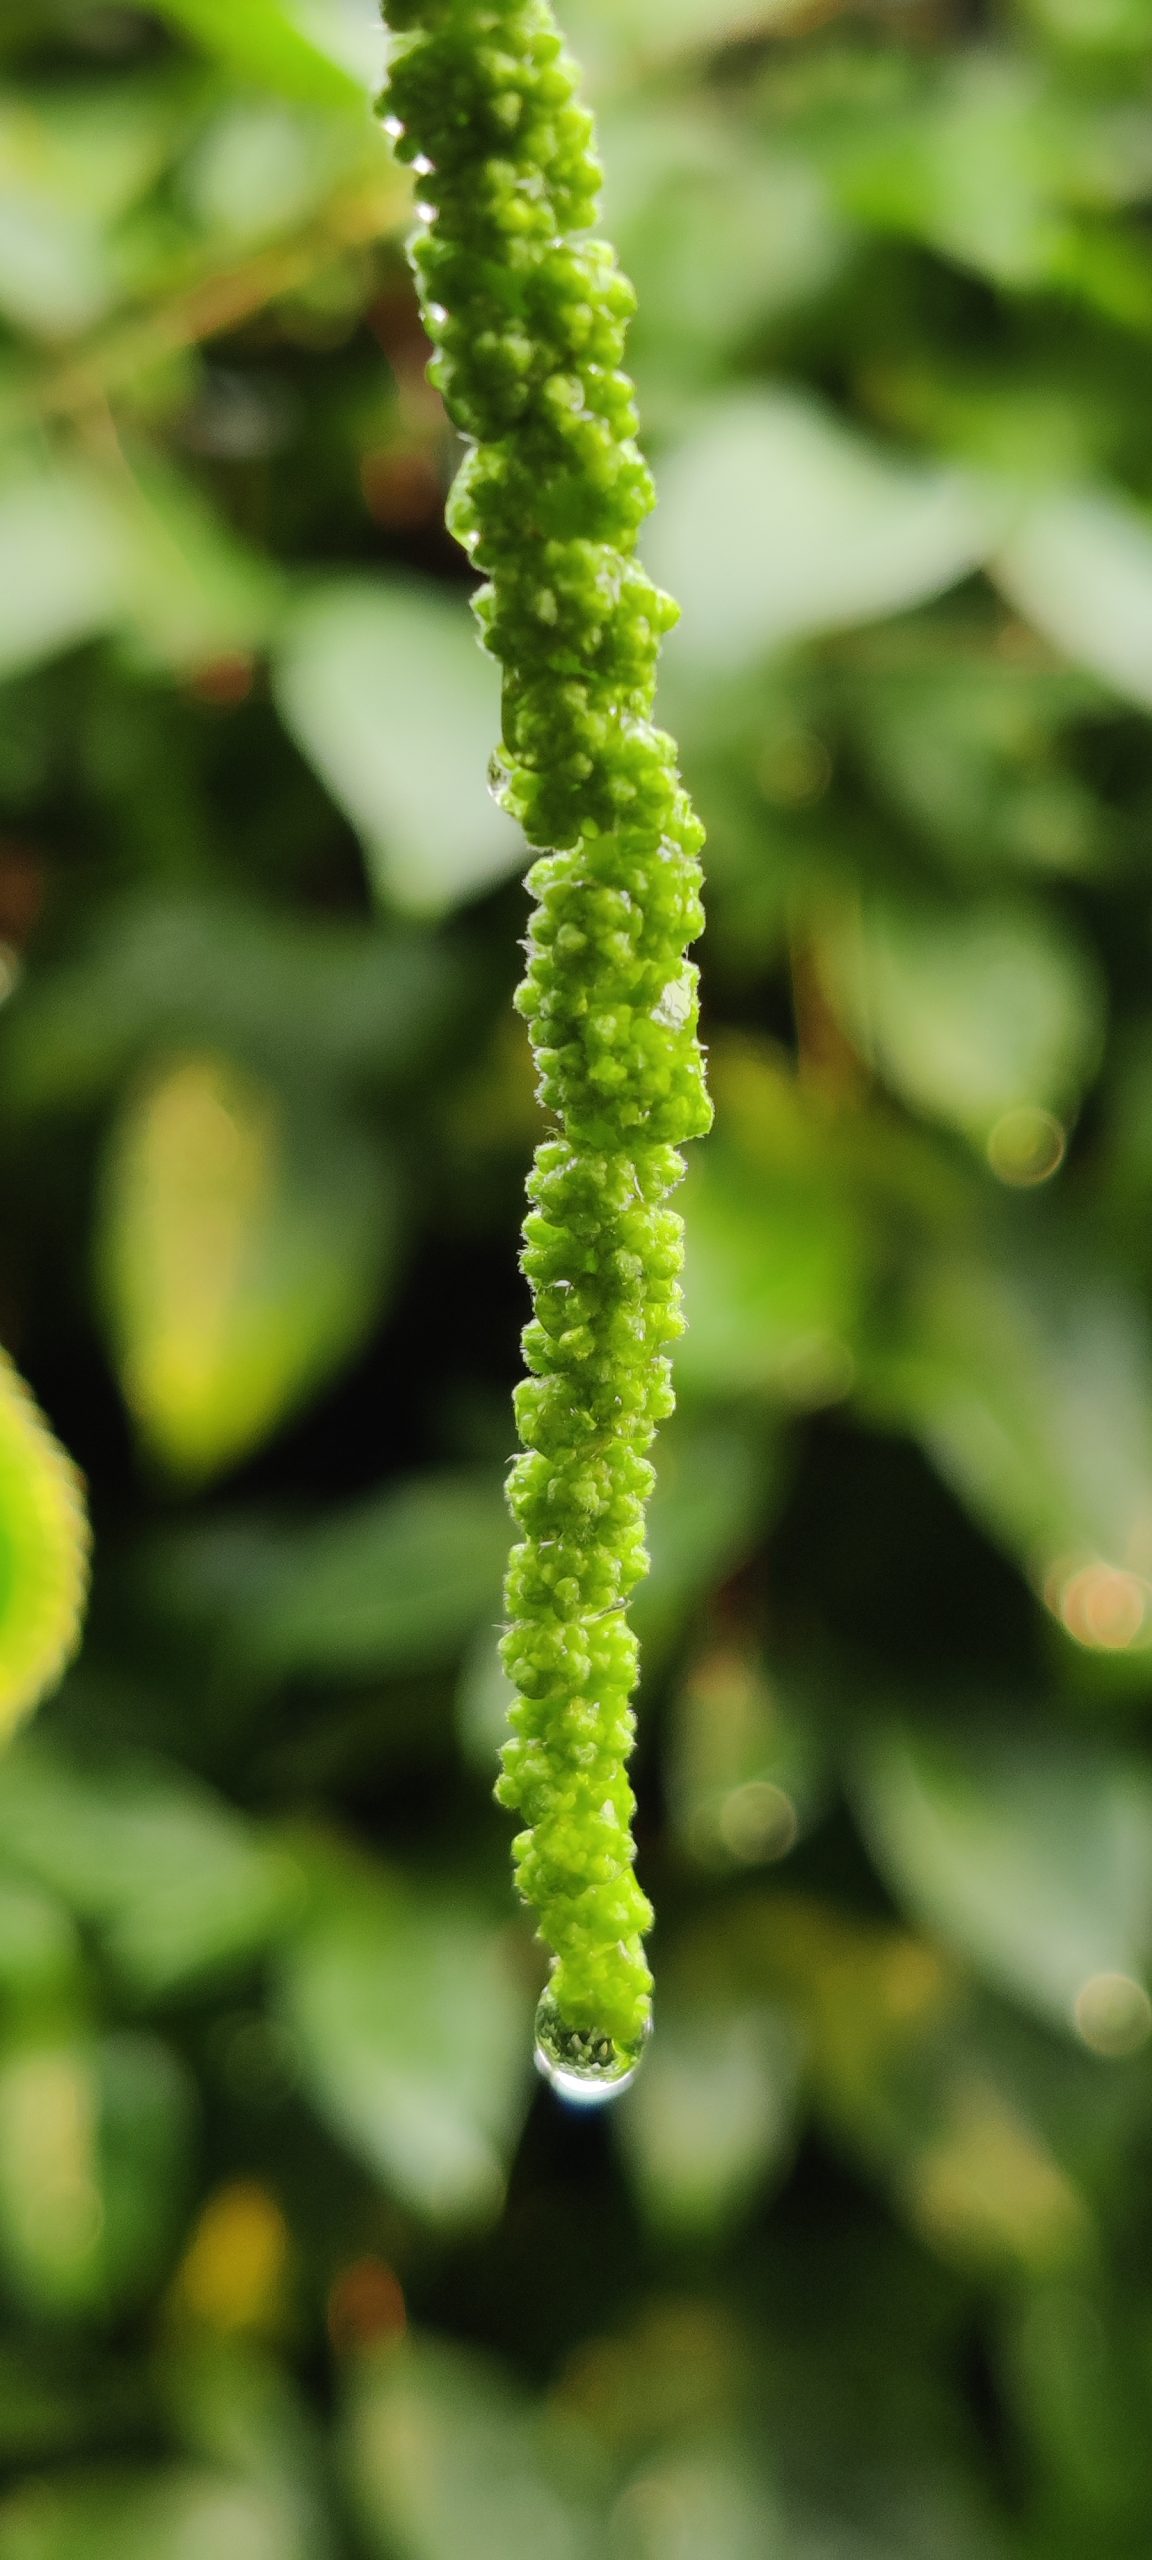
584	2068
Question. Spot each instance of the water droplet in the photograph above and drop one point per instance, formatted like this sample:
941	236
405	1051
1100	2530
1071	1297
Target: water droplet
581	2065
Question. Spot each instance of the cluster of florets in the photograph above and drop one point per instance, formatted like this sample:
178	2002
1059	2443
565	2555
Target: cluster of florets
528	319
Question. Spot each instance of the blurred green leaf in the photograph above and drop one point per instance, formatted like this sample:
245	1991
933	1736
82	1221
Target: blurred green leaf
718	1484
270	43
707	2497
388	693
976	750
242	1252
364	1006
93	2156
197	593
684	193
262	166
41	1968
164	2515
713	2116
622	39
396	1583
44	1553
64	570
776	522
1029	1382
905	2073
412	2036
1078	566
776	1258
83	550
746	1762
233	2406
448	2462
73	162
1075	2367
1033	1858
969	1012
982	160
175	1880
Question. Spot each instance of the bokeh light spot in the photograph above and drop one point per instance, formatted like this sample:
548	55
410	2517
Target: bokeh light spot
1113	2014
1026	1146
757	1822
232	2276
1101	1606
366	2306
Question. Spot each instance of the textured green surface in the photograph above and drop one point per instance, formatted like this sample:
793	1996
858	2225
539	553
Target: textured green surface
528	315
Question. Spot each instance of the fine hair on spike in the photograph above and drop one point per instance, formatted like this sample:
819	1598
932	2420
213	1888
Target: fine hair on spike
528	311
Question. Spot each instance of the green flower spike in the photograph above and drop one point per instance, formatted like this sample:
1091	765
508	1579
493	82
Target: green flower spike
528	316
43	1553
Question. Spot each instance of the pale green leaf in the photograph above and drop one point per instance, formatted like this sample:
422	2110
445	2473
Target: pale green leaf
713	2114
93	2155
195	592
1031	1854
242	1255
776	523
412	2033
1078	566
399	1581
64	563
169	970
776	1255
711	2497
387	692
264	165
448	2461
1030	1387
174	2514
969	1012
73	161
174	1880
944	2112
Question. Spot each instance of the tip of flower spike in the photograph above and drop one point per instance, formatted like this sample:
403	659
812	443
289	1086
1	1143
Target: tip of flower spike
44	1551
583	2066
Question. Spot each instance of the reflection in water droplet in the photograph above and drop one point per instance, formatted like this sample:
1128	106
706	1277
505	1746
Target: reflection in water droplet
581	2065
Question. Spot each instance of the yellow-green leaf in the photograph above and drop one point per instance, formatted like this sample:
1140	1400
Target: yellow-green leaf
242	1249
43	1553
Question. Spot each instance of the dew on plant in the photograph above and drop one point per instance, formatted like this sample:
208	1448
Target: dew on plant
584	2066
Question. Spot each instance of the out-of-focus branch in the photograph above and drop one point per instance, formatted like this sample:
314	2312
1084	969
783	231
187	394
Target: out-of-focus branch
90	376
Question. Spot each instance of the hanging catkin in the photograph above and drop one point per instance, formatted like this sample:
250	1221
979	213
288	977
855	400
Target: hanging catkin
528	314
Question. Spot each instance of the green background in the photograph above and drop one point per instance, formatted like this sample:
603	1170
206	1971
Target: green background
297	2260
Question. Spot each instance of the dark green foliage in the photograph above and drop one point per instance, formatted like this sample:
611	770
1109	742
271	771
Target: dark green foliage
858	2269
